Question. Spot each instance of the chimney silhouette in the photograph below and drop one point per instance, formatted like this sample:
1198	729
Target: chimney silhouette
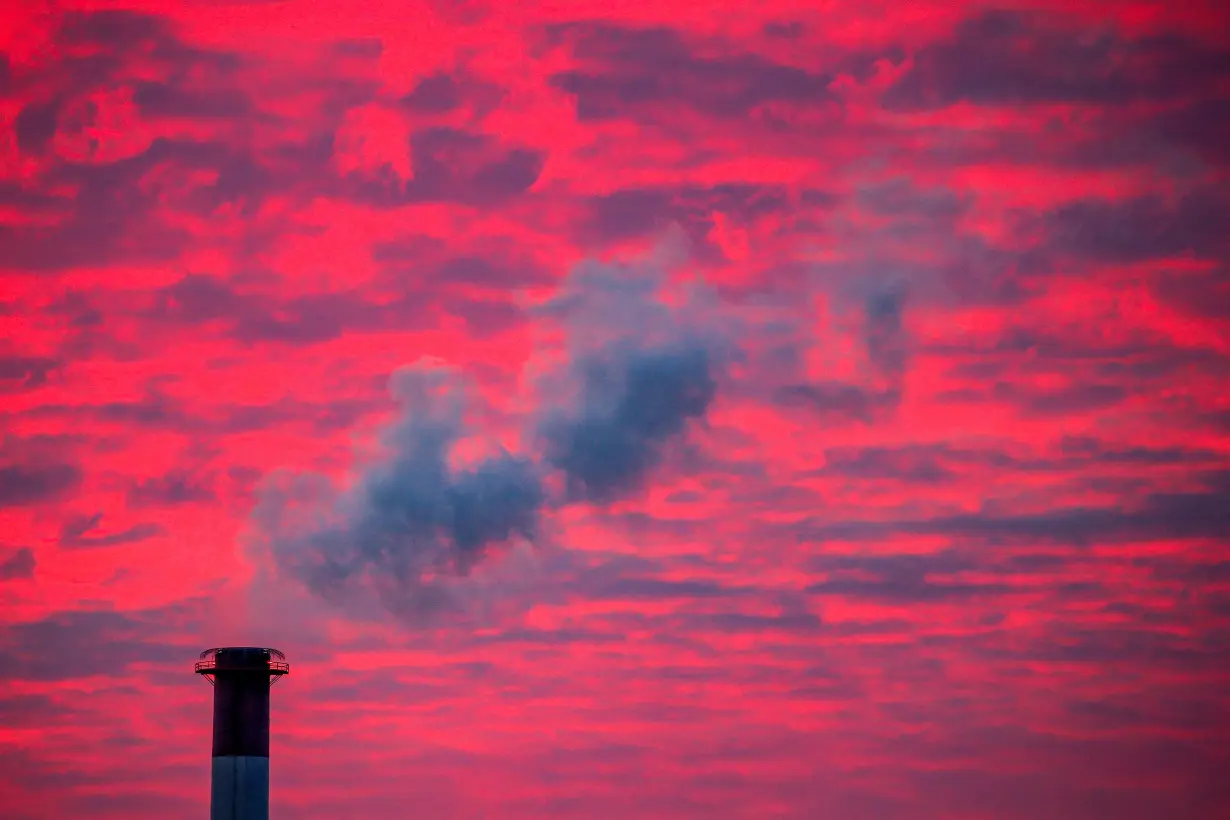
241	677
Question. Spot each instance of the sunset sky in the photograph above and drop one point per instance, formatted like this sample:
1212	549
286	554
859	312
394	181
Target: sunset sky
619	409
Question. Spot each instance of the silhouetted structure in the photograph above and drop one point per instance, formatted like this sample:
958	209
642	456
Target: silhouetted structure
241	677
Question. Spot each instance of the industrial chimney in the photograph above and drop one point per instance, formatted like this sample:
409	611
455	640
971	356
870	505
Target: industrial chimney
241	677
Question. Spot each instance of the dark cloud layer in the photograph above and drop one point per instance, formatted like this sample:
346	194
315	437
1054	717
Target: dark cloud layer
1196	513
17	565
1008	57
34	483
1137	229
652	72
27	371
176	487
79	532
450	165
81	644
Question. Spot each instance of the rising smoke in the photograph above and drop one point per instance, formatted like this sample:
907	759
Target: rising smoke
638	370
633	403
634	371
408	519
638	365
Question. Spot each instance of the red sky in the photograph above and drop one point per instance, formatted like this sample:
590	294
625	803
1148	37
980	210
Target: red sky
769	409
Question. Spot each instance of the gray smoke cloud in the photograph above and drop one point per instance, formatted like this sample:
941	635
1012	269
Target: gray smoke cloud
633	403
640	368
637	365
409	521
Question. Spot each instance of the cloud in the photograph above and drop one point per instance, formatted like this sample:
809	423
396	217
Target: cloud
83	643
435	94
306	319
634	212
176	487
904	578
653	73
836	401
886	345
29	371
933	464
36	125
162	99
158	411
75	533
106	115
1201	294
498	267
1009	57
113	217
451	165
473	287
1198	513
35	483
20	564
920	464
113	29
78	525
633	588
1078	397
1134	229
1201	126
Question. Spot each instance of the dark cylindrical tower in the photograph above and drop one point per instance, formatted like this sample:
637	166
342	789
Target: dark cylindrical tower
241	676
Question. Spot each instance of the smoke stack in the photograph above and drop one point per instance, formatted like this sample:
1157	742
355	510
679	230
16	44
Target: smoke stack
241	677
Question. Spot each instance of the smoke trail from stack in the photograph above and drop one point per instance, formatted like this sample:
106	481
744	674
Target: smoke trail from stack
408	520
636	370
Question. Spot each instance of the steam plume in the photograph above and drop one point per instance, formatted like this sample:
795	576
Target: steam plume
639	370
409	521
636	370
